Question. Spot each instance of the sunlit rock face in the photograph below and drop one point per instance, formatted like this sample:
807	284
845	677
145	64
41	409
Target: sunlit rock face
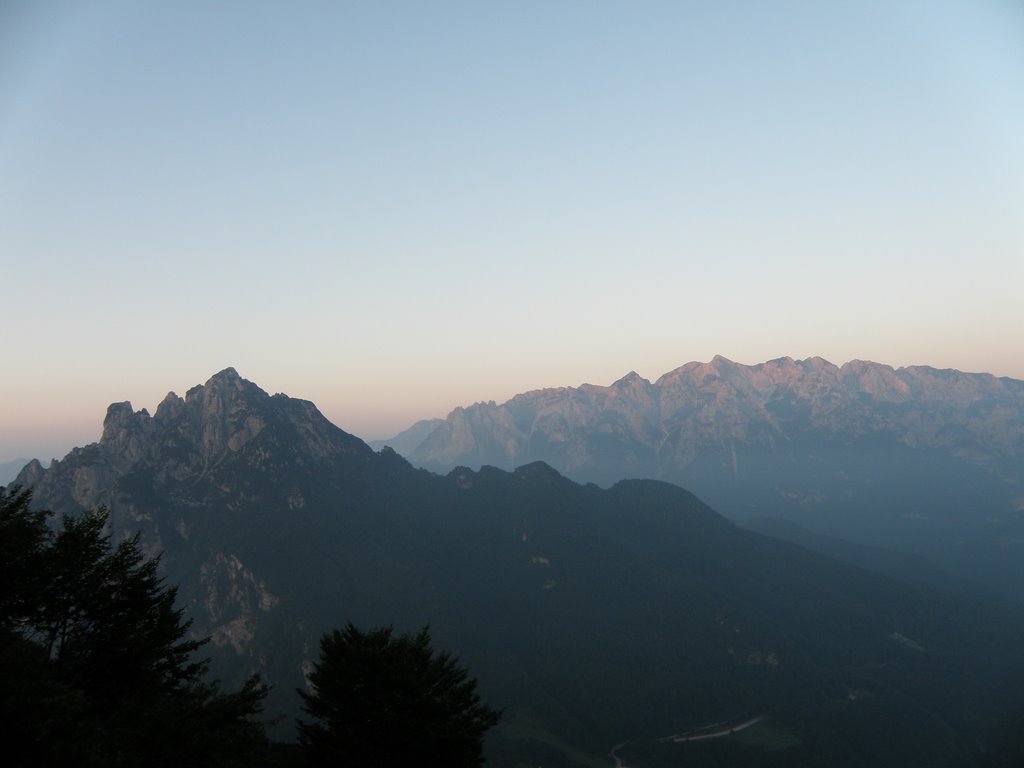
219	420
711	406
912	457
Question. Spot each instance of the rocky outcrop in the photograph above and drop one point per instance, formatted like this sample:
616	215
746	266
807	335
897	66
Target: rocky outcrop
223	448
186	437
234	597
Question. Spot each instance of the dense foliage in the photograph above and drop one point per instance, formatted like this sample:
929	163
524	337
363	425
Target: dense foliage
381	700
96	663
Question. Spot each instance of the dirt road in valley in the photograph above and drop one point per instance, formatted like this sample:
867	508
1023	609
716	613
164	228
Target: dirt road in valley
723	731
697	734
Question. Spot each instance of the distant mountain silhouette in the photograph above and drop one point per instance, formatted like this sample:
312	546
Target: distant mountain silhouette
926	460
593	617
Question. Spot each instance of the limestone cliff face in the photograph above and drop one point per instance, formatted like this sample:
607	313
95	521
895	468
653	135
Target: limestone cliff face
721	404
214	422
224	455
234	599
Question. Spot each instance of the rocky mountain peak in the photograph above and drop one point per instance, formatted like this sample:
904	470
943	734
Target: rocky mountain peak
819	364
170	407
31	473
222	391
631	382
228	375
629	378
126	434
229	411
215	421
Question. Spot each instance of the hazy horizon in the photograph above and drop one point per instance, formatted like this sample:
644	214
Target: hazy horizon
393	210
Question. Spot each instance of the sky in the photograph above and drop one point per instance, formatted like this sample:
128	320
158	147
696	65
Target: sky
393	209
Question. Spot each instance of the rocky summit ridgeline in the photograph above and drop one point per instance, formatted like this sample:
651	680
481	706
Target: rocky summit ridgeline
231	485
187	437
636	427
917	458
593	617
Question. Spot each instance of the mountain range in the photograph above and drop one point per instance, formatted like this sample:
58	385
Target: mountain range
596	618
918	459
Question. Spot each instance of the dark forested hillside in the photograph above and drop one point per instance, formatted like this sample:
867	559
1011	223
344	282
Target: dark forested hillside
593	617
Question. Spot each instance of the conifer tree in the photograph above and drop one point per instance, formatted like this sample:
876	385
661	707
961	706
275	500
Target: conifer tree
383	700
96	663
23	540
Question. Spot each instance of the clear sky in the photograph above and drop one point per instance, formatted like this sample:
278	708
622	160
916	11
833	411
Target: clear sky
395	208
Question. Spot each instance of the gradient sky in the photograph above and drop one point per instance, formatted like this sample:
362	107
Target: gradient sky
395	208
